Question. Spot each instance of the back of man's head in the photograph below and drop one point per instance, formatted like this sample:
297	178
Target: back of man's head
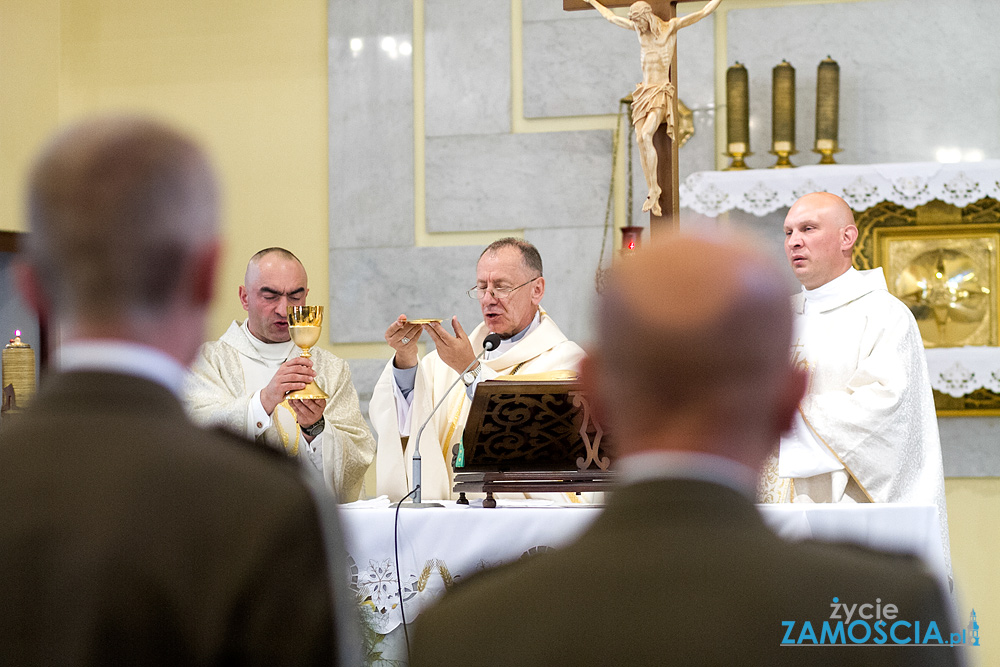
693	351
119	208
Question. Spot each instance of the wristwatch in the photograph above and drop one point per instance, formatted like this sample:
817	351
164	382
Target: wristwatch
470	376
315	429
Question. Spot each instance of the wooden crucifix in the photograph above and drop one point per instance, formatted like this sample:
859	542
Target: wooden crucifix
654	102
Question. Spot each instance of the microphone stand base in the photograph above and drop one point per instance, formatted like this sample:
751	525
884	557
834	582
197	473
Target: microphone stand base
409	505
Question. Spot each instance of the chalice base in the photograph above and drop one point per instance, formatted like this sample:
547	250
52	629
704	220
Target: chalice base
310	392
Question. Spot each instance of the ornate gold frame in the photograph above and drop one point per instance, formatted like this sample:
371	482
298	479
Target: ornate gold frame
937	225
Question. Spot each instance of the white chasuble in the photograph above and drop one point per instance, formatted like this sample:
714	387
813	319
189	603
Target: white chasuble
222	390
545	348
867	429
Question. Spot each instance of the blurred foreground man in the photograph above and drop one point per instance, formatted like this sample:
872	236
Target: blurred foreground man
509	287
692	377
866	430
131	537
239	382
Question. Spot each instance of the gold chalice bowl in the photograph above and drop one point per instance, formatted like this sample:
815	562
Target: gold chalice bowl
304	325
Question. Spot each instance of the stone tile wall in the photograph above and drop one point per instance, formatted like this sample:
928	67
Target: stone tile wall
914	78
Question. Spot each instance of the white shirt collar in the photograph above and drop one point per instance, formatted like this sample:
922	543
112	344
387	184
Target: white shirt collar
125	358
269	351
657	465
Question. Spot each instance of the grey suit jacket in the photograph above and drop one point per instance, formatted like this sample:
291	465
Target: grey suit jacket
677	572
129	536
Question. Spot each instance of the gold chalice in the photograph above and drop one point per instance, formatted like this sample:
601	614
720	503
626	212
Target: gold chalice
304	325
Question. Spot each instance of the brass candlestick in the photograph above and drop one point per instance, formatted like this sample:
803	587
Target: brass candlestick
783	114
737	116
304	325
827	110
18	385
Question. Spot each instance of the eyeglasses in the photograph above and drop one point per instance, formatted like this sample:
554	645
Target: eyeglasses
498	293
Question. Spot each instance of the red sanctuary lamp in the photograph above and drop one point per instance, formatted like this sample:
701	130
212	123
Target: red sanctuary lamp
631	239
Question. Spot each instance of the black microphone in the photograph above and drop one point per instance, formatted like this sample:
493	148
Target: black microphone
490	343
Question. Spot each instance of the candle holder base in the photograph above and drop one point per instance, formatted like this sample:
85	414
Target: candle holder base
783	159
827	154
738	164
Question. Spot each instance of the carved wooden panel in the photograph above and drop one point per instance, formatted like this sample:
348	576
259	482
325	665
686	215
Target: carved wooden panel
531	426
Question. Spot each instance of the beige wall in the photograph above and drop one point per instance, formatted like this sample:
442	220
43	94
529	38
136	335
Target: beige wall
248	77
29	94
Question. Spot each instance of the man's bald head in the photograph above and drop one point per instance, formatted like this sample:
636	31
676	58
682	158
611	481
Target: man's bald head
819	238
275	279
253	266
695	332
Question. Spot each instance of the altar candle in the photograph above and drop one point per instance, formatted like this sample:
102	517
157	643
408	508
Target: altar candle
827	104
737	109
18	372
783	108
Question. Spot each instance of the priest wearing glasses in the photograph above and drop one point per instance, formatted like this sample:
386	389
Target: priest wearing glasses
509	287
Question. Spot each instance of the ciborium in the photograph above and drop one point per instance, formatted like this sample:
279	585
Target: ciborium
304	325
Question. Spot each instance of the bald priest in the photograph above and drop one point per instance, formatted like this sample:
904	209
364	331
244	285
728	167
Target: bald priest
239	382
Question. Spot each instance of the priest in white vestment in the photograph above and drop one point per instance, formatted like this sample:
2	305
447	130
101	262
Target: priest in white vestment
509	286
867	429
239	382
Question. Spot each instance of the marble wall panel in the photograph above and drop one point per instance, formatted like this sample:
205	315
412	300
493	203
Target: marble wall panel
371	123
552	179
364	374
370	287
569	258
969	446
547	10
696	87
577	67
916	75
466	75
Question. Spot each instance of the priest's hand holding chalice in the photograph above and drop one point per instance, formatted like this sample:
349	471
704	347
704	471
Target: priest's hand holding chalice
304	326
294	380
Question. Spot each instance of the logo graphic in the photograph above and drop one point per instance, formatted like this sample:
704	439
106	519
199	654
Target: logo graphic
973	629
874	624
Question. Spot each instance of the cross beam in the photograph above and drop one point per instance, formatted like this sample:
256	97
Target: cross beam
666	150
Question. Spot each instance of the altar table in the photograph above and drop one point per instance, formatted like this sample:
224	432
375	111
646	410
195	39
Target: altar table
439	546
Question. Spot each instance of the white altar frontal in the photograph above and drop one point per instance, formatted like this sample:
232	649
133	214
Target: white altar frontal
441	546
910	184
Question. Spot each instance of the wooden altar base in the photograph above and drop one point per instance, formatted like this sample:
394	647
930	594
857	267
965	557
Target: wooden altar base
522	481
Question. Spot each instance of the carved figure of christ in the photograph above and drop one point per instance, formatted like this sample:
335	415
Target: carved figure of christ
654	101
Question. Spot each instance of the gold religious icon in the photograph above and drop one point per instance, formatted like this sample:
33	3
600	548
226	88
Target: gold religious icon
945	290
304	325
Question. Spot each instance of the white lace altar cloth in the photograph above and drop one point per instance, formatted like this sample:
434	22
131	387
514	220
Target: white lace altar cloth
763	191
959	371
440	546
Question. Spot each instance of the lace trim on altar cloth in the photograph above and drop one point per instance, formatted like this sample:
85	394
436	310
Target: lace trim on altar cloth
763	191
959	371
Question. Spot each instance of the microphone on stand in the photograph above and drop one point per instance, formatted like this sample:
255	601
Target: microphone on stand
491	342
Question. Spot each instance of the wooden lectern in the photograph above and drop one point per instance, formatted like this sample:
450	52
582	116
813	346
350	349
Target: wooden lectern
530	434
